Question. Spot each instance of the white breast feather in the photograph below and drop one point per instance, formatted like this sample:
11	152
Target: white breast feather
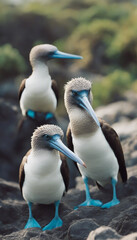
38	95
98	156
43	180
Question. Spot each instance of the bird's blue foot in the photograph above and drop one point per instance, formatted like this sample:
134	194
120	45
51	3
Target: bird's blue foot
32	223
90	202
110	204
56	222
114	201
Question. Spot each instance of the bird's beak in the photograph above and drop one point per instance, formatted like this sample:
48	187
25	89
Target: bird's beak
84	103
59	54
57	144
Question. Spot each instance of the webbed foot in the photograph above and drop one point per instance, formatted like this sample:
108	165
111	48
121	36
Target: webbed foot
32	223
110	204
90	202
56	222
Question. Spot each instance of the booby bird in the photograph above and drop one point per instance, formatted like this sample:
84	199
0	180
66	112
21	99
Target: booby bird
43	173
38	93
93	140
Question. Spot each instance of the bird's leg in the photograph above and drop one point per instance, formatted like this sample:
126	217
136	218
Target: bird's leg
31	223
89	201
56	221
114	201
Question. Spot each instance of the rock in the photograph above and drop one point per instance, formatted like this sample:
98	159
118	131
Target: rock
8	128
103	233
132	236
115	112
126	128
29	234
126	221
81	228
132	171
121	218
9	91
129	146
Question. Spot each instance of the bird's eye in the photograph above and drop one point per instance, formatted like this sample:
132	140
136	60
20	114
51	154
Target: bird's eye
74	93
47	137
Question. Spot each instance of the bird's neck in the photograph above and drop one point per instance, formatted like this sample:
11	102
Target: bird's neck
40	73
40	69
82	123
43	161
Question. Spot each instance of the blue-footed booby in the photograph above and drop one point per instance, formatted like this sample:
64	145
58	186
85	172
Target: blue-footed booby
38	93
93	140
43	173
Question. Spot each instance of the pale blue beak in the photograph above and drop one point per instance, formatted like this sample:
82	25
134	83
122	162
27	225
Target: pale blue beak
57	144
81	98
84	103
59	54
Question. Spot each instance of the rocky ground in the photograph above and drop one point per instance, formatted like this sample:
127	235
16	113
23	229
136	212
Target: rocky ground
118	222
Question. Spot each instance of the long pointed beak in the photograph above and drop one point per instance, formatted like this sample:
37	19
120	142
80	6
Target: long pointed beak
59	54
84	102
58	145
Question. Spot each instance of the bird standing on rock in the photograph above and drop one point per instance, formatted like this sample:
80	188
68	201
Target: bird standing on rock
93	140
38	93
43	173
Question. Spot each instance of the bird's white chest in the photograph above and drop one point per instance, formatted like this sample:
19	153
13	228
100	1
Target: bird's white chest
43	180
38	95
100	160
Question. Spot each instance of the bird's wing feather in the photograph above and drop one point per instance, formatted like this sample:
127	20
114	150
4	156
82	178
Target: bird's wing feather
114	142
22	87
69	138
64	170
70	143
55	89
21	170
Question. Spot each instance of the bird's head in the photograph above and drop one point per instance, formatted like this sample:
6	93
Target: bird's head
49	137
46	52
78	95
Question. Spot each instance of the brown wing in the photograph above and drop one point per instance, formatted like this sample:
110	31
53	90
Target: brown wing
65	170
69	138
114	142
55	89
70	143
22	87
21	170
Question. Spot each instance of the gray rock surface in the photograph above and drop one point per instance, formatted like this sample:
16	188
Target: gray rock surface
81	228
77	224
117	111
103	233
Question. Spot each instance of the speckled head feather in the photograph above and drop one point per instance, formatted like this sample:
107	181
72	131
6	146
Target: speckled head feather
48	129
40	52
78	84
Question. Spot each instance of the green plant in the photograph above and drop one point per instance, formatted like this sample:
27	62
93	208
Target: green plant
111	87
11	62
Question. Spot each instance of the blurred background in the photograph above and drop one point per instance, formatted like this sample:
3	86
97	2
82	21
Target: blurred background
103	32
